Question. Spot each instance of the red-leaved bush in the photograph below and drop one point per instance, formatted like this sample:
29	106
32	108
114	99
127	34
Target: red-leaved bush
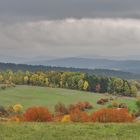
112	115
79	116
37	114
80	105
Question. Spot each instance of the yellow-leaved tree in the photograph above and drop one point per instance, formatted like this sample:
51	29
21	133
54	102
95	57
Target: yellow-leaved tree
86	85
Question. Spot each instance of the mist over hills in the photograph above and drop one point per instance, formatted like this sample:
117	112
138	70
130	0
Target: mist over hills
93	63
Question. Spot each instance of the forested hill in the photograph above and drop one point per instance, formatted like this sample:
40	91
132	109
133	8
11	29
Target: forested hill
100	72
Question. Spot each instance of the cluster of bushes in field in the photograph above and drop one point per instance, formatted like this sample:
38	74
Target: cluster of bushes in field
42	114
71	80
113	104
72	113
12	113
102	101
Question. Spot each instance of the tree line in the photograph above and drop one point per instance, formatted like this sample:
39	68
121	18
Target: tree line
99	72
70	80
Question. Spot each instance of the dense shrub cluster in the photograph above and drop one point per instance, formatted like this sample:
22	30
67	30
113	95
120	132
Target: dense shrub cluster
61	109
37	114
112	115
65	114
70	80
77	115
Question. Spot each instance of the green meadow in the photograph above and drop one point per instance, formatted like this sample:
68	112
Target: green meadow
42	96
70	131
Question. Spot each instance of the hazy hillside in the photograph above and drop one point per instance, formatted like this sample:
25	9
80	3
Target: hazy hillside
91	62
128	65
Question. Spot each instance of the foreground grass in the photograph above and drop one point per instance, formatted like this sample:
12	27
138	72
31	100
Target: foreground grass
52	131
34	96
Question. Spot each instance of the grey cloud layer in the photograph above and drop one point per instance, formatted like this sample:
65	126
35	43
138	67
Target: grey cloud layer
61	9
71	37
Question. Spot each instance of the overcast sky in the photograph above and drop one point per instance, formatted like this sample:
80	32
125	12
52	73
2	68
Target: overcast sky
64	28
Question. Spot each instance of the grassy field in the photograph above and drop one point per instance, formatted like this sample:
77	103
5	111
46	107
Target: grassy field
34	96
53	131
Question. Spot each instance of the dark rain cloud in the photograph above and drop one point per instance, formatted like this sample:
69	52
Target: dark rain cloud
61	28
61	9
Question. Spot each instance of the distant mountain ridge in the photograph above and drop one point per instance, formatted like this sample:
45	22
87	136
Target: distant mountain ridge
92	63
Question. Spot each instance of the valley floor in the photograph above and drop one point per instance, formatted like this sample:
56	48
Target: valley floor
54	131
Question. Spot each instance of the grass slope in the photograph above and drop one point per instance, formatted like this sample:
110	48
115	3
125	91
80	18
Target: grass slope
52	131
34	96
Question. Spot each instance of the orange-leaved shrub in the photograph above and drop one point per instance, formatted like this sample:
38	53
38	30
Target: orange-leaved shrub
37	114
77	115
112	115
